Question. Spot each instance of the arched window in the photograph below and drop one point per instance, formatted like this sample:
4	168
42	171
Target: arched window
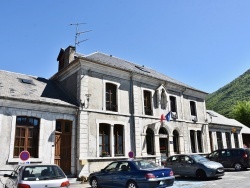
176	141
150	141
163	140
163	100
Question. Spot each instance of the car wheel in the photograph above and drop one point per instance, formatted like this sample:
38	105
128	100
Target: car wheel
238	166
94	183
131	184
200	174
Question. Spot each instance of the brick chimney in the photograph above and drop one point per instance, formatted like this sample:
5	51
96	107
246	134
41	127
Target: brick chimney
65	57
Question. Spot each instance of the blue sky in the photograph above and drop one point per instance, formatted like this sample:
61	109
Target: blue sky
202	43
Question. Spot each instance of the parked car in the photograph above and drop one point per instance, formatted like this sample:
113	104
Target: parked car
132	174
194	165
237	158
36	176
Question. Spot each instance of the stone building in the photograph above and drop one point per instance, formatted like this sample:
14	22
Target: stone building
99	108
123	109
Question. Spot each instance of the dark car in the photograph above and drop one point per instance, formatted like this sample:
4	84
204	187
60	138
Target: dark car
194	165
132	174
237	158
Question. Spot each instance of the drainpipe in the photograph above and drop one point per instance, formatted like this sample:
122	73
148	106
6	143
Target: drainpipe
132	111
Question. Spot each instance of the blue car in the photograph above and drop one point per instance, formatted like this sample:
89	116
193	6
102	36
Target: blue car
132	174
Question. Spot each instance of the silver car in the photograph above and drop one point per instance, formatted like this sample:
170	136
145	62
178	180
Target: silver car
36	176
194	165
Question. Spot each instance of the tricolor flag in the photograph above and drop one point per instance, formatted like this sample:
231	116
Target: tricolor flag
168	116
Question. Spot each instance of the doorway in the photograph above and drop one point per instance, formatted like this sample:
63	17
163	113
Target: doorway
63	136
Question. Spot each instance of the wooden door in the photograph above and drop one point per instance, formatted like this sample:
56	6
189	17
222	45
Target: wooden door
63	145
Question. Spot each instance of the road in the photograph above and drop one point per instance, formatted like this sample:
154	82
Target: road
231	179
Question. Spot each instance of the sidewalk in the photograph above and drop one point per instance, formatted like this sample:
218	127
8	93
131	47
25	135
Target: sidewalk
74	183
79	184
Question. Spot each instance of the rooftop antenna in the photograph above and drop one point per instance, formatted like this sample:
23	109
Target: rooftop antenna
77	42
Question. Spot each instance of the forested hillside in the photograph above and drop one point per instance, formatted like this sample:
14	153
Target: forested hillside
224	99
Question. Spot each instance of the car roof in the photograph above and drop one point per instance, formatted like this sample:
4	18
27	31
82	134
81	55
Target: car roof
39	164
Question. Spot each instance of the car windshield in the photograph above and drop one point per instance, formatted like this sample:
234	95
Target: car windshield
34	173
143	164
199	158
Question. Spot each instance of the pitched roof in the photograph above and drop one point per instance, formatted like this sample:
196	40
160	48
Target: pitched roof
24	87
216	118
110	60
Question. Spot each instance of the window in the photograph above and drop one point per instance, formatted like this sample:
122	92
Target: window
199	139
173	104
176	141
193	108
147	102
163	99
118	137
111	97
228	139
236	141
104	131
163	139
219	140
150	141
192	138
27	135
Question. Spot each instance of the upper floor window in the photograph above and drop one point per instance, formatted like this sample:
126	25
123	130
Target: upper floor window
27	136
173	104
147	102
163	99
111	97
193	108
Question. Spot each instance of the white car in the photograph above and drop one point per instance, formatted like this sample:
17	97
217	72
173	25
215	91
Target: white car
36	176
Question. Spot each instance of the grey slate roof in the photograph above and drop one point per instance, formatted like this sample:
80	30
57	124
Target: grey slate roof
219	119
128	66
36	89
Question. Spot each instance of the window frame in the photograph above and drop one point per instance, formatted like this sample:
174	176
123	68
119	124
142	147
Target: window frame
26	141
147	102
112	103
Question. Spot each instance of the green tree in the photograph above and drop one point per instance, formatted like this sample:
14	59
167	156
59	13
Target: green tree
241	112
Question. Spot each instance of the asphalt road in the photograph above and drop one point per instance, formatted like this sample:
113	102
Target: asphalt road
231	179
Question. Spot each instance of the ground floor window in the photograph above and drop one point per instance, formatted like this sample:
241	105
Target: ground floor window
111	140
192	140
219	140
199	140
163	139
27	135
118	135
228	139
150	141
176	141
236	140
104	136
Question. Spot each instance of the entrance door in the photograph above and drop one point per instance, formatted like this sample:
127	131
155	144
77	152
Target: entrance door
63	145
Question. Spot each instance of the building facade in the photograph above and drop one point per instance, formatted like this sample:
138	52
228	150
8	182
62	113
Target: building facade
98	108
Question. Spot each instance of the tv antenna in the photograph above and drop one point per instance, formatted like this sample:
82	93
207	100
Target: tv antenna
77	42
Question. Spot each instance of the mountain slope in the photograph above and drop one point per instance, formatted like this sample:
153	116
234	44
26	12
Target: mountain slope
224	99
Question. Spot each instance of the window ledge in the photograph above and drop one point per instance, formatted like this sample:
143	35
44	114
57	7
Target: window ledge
17	160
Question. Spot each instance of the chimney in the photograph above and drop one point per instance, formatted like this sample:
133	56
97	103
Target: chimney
65	57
